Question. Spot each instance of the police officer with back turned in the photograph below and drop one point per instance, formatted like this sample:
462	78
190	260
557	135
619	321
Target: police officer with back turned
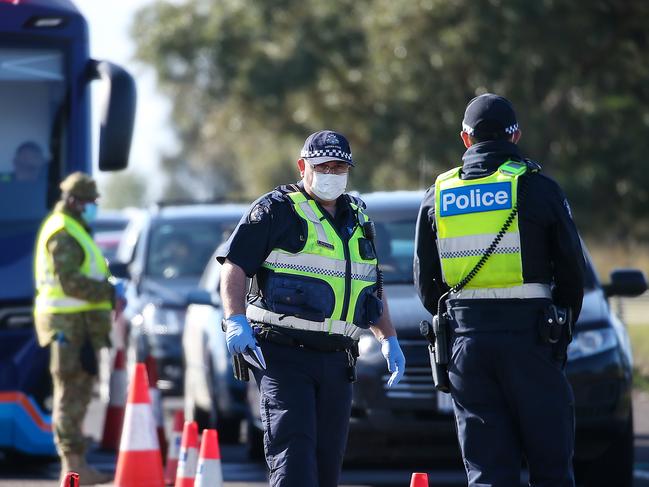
310	248
499	258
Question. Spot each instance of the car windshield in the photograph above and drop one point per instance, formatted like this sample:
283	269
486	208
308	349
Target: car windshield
181	248
395	248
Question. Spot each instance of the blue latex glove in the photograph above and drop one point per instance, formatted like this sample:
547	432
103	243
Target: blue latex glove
239	334
120	289
394	356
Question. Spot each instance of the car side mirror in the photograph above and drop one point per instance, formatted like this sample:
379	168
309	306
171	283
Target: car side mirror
626	282
119	270
201	296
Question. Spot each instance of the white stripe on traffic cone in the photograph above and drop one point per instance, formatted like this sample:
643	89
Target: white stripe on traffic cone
188	460
139	463
209	472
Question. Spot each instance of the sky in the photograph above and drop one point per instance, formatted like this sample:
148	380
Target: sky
109	23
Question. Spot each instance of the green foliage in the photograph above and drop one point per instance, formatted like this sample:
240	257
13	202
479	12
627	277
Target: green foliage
250	80
639	335
122	190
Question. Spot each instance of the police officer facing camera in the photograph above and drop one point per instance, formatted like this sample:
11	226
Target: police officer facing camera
506	371
310	249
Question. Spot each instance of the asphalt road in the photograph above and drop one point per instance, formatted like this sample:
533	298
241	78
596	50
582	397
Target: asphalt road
239	472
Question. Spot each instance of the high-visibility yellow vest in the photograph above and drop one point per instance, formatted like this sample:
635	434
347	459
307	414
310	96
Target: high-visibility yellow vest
328	259
469	213
50	297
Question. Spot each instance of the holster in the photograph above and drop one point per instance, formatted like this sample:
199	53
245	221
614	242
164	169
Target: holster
555	328
437	335
240	368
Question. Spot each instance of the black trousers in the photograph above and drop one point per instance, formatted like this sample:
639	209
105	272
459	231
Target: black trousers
305	405
511	400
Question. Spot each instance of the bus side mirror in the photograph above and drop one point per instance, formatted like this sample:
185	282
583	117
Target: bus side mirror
118	115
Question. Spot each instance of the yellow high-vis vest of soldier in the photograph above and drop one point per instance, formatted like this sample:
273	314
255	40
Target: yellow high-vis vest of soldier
51	297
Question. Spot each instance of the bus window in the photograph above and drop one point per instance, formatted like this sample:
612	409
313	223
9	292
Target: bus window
32	89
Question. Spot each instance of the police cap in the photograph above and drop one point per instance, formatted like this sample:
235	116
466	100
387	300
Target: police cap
325	146
80	186
489	116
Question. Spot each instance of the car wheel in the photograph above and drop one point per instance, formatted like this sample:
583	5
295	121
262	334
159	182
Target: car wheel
255	443
615	466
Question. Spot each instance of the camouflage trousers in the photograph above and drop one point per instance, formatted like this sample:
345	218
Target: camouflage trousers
72	393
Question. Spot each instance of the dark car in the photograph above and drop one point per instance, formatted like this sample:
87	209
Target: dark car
163	253
213	397
410	421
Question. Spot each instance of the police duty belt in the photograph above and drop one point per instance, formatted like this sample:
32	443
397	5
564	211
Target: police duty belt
335	327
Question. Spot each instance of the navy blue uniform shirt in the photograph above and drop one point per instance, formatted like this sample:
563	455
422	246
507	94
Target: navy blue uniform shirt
550	246
273	223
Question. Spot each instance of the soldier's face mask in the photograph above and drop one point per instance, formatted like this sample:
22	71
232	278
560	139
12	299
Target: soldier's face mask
89	213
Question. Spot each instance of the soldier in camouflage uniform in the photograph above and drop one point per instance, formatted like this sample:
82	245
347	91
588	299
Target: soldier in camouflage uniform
72	315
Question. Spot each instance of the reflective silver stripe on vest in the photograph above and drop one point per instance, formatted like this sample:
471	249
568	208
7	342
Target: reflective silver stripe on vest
95	274
335	327
526	291
361	218
60	302
477	245
319	228
317	264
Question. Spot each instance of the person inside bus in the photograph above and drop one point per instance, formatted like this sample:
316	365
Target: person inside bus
29	164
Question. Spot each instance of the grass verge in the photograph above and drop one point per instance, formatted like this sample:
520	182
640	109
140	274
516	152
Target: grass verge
639	335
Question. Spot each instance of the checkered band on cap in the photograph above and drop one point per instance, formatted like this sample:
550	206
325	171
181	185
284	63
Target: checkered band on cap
468	129
326	145
511	129
347	156
471	131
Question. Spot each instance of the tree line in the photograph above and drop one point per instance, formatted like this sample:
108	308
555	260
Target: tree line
250	80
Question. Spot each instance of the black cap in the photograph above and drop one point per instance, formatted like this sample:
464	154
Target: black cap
489	115
325	146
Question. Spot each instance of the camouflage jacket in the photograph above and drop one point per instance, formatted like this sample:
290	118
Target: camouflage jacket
68	256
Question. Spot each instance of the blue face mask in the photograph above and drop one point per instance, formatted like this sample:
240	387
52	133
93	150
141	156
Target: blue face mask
89	212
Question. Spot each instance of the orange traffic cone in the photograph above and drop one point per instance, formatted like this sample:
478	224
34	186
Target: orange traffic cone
188	456
209	473
419	480
174	448
71	480
116	403
156	403
139	463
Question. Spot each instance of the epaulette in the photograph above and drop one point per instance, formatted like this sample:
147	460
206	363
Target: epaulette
356	200
280	192
532	166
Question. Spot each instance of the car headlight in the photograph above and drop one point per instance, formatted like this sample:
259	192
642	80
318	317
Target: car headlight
162	321
591	342
369	348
